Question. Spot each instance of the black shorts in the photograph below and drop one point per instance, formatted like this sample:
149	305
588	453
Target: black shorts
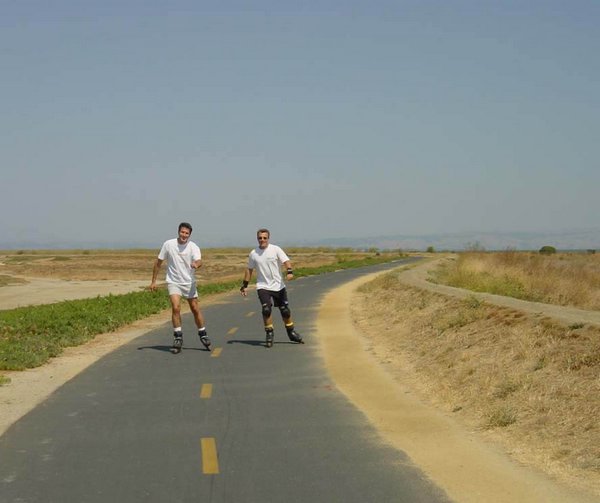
279	298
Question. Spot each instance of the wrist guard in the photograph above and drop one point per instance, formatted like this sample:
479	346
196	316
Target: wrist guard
244	285
290	271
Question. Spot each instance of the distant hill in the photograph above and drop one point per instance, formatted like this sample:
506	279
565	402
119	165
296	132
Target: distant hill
569	240
566	240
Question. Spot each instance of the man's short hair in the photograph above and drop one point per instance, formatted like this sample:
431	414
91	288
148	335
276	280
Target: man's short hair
263	231
184	225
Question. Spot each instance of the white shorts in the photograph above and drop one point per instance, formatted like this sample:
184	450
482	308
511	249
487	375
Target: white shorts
185	291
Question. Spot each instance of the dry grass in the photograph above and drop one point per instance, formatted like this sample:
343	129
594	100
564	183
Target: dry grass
525	381
566	279
219	264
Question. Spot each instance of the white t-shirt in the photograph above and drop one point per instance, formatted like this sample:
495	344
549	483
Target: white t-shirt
267	263
179	261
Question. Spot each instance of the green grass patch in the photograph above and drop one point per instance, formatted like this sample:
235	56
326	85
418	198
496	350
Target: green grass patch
20	259
344	263
504	389
4	380
501	417
10	280
30	336
470	311
384	282
483	282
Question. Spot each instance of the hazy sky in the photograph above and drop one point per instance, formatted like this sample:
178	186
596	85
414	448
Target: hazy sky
319	118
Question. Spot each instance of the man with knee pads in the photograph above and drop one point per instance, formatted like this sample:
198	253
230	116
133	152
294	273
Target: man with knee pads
267	259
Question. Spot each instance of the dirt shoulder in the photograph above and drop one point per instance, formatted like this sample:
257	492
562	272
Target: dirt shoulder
464	464
47	291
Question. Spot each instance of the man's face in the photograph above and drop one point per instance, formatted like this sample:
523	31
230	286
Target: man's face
263	239
184	235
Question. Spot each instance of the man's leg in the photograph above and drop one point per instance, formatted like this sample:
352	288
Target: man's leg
268	324
281	301
266	307
286	316
195	308
199	320
175	311
176	320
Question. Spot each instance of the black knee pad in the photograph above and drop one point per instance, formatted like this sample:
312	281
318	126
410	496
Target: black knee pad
285	311
266	310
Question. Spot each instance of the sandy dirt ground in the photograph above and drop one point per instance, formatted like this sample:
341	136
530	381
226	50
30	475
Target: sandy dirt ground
467	467
48	291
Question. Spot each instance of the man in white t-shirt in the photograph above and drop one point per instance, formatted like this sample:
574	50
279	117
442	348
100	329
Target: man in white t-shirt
267	259
183	258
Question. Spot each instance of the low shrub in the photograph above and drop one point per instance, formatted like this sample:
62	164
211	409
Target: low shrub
547	250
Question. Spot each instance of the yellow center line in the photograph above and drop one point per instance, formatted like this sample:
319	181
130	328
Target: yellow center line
210	462
206	391
232	331
251	313
215	353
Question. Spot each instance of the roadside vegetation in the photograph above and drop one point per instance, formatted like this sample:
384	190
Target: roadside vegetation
525	381
30	336
219	264
9	280
566	279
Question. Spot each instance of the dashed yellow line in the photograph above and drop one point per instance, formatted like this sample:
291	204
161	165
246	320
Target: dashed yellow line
215	353
232	331
206	391
251	313
210	461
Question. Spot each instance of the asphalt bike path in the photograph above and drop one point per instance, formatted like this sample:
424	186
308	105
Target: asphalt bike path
242	423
